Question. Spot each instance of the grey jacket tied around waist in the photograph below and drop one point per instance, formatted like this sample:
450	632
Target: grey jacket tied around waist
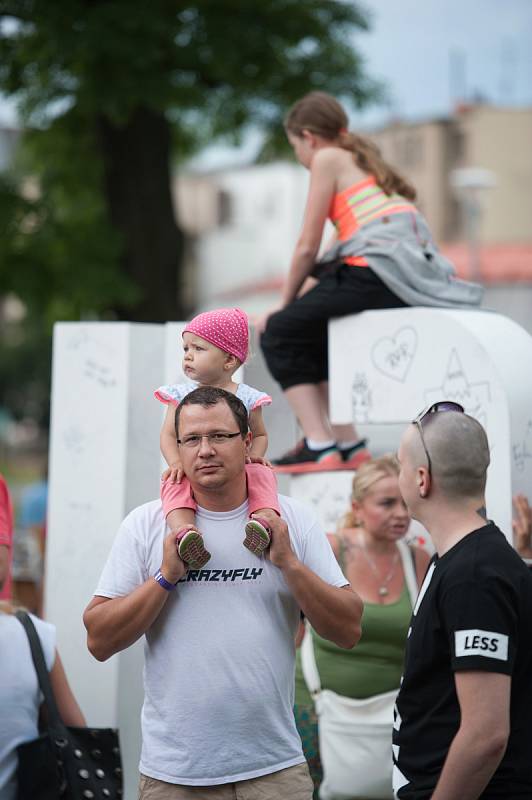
400	250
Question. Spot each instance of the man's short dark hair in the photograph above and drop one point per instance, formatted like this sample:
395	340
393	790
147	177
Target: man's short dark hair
207	396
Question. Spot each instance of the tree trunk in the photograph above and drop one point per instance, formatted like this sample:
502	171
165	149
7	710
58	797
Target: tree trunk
136	160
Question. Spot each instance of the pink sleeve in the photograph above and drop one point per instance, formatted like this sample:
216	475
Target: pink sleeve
262	488
169	401
264	400
176	495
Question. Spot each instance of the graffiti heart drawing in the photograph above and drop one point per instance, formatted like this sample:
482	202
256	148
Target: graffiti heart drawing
393	355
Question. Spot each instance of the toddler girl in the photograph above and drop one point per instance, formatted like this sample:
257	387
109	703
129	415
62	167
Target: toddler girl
215	345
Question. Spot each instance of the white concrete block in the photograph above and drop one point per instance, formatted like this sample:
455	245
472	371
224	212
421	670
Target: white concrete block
104	461
386	366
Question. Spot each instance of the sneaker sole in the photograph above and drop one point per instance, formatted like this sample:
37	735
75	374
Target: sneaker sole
357	460
192	550
310	466
257	538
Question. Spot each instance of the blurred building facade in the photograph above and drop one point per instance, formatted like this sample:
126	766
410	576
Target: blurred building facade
498	140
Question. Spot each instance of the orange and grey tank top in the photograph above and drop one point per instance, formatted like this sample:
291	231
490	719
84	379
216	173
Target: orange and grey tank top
359	204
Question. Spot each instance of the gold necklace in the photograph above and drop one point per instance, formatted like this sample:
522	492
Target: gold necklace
383	587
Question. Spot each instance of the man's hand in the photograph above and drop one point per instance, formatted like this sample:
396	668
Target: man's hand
261	320
259	460
174	473
280	551
522	525
172	568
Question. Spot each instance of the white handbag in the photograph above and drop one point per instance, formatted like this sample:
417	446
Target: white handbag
355	736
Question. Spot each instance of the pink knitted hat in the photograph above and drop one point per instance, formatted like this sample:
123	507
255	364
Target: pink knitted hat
227	328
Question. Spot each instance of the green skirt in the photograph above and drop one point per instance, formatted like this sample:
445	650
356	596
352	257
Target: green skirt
307	726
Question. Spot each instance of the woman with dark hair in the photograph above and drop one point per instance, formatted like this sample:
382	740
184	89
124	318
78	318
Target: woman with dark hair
382	256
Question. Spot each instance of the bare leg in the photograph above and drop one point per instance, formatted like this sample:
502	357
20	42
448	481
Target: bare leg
307	404
340	433
180	517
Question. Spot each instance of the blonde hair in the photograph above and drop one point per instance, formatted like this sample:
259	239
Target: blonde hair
321	114
367	476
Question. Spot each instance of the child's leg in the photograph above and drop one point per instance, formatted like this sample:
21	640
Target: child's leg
179	508
263	507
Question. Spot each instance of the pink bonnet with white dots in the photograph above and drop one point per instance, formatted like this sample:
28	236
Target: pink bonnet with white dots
227	328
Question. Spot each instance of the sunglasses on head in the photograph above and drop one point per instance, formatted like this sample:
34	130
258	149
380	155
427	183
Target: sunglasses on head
435	408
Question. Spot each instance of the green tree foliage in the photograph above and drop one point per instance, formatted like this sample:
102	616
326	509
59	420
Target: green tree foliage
115	95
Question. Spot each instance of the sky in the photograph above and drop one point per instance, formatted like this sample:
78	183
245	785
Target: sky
429	53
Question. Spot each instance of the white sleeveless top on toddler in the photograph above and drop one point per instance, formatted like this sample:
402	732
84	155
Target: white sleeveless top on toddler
175	392
20	696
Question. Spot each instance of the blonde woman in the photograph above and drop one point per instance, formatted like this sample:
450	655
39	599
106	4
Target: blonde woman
20	697
366	548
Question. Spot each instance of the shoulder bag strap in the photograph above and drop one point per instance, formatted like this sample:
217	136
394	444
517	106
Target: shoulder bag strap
308	662
54	718
409	569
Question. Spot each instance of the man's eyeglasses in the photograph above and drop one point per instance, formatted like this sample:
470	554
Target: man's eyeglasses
435	408
194	440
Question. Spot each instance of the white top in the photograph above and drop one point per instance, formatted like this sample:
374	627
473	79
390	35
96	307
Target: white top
219	659
175	392
20	696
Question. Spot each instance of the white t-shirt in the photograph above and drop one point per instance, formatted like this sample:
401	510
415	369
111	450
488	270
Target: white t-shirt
219	659
20	696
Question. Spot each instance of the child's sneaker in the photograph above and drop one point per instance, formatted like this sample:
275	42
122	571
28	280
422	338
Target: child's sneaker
190	547
258	535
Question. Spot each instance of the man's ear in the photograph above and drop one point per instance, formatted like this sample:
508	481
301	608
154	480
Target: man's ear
423	481
248	440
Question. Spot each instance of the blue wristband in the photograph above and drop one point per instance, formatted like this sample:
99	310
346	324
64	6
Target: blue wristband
161	580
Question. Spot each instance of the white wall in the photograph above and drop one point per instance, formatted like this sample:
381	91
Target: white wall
104	460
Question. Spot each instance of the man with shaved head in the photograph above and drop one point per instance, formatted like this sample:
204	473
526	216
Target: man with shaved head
463	720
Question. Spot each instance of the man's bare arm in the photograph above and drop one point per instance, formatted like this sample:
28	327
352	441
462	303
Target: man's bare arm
116	623
334	613
480	742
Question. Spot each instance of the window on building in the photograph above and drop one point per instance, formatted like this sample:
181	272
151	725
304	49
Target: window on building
225	209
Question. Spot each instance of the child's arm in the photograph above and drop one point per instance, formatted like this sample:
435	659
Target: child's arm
169	447
259	442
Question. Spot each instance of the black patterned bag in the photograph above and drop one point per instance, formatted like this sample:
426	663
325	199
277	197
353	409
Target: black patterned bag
65	763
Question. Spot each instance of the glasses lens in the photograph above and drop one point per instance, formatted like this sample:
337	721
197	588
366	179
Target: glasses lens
441	405
446	405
